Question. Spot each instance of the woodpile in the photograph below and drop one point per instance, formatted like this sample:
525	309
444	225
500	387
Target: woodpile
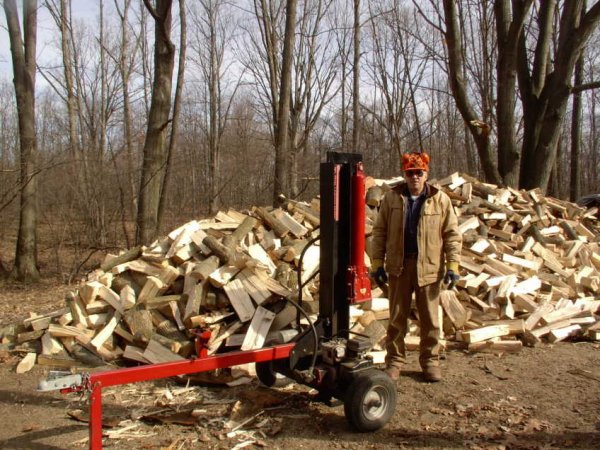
530	271
229	274
530	268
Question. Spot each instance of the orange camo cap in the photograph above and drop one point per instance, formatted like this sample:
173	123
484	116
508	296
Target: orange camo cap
415	161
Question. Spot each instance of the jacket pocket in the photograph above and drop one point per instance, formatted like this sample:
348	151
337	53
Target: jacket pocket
432	229
395	239
432	238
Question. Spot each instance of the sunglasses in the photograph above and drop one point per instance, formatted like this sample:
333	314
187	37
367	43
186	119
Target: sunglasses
412	173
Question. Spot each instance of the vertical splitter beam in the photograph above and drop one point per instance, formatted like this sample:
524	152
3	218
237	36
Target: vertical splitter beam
337	200
329	233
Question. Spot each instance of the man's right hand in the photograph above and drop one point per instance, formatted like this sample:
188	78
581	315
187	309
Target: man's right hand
378	272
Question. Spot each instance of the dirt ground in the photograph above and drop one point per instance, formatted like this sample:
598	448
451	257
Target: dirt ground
542	398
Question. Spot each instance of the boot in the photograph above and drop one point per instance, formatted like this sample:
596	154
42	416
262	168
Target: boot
393	372
432	373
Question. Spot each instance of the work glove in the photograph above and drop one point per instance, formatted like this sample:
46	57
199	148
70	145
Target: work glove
378	272
452	276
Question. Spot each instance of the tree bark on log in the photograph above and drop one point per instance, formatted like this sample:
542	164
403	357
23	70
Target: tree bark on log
24	66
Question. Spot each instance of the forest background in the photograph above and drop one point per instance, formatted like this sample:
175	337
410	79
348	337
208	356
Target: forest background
121	118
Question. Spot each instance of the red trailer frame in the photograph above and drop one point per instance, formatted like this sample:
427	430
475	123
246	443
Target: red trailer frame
95	382
344	280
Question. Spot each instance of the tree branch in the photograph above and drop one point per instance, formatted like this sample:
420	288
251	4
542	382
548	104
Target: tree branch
585	87
152	11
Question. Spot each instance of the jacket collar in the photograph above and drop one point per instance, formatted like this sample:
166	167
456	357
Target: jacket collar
402	189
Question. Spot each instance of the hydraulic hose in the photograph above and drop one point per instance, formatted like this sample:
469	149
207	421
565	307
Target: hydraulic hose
302	311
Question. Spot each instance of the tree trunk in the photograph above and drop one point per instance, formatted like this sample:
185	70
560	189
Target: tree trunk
344	102
509	26
356	80
66	44
128	191
282	162
4	274
344	110
176	110
545	112
267	23
470	153
77	170
103	117
23	58
593	178
555	181
213	115
479	130
388	44
155	154
575	181
145	59
538	160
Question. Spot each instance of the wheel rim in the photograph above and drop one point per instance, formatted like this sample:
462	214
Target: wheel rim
375	403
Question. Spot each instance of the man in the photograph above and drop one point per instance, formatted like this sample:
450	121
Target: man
416	234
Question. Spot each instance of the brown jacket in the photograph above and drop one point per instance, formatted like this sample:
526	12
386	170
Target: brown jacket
438	238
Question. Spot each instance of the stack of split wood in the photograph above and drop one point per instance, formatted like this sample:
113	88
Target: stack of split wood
230	273
530	270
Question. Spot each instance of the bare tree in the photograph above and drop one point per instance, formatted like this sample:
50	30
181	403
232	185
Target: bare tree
356	78
315	72
155	152
282	136
125	62
396	70
480	66
70	90
590	157
176	109
9	141
545	84
61	15
263	60
7	186
88	82
213	33
343	35
478	129
544	73
576	123
509	28
22	48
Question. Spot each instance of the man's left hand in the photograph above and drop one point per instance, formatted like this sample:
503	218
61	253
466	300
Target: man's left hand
451	278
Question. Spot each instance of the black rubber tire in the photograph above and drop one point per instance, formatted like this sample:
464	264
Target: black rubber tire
370	400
